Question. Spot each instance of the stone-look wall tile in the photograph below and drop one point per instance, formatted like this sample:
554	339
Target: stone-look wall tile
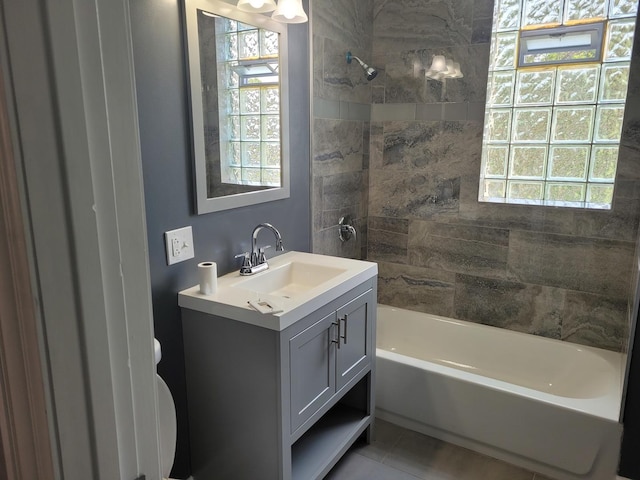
482	21
522	217
572	262
396	111
362	223
317	67
517	306
366	139
377	93
626	190
342	191
376	144
337	146
410	25
415	288
594	320
458	248
355	111
330	218
408	144
363	227
405	80
620	223
630	139
483	9
429	112
329	109
628	162
327	242
454	111
349	22
472	233
343	81
393	193
481	30
437	149
385	246
317	203
476	112
396	225
474	63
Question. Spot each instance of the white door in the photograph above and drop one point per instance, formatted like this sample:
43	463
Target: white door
68	70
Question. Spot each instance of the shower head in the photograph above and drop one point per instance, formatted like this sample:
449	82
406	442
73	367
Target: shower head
370	72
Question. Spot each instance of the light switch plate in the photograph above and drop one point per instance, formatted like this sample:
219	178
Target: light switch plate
179	245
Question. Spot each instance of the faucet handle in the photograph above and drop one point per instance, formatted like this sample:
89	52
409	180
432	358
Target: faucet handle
261	256
246	258
346	230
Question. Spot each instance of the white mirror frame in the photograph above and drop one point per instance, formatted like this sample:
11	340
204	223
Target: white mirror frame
205	204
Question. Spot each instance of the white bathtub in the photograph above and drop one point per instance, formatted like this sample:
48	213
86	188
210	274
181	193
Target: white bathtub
542	404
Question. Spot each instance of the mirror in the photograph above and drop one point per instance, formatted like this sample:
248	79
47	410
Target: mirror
239	105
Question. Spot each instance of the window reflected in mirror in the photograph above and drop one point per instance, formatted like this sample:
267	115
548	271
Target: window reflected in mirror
244	90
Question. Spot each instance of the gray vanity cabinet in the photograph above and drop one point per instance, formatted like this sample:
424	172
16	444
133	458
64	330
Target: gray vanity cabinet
313	369
328	355
268	404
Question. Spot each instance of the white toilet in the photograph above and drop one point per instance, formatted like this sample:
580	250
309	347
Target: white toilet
167	420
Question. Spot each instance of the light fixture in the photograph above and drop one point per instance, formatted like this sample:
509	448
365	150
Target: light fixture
290	11
457	73
442	68
450	70
257	6
439	64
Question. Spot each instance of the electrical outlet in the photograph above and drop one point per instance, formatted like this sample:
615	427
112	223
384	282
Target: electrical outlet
179	245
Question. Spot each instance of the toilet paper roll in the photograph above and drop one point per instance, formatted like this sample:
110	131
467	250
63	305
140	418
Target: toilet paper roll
208	272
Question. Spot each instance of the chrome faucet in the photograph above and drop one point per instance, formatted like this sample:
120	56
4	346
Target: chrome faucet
256	261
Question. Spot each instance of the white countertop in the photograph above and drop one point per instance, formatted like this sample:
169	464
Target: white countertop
231	300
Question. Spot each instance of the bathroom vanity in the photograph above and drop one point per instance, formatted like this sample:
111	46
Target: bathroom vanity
280	395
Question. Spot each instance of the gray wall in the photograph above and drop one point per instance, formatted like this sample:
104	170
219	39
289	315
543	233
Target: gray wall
167	167
557	272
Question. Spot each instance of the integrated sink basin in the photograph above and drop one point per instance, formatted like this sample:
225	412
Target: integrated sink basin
297	283
290	279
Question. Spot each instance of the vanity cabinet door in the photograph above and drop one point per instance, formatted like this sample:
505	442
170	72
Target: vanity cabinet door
312	363
356	337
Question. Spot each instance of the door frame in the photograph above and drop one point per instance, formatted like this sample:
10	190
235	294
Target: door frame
68	70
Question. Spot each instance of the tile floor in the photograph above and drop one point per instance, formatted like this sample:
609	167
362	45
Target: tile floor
400	454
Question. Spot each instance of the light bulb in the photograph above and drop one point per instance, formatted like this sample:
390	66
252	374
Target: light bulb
290	11
439	63
256	6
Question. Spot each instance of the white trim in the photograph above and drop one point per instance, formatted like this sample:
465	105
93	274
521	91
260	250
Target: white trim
72	72
205	204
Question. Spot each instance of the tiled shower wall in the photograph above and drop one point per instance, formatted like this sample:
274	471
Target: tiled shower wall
557	272
341	113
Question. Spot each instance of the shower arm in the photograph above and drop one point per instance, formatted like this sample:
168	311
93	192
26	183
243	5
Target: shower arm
370	72
350	57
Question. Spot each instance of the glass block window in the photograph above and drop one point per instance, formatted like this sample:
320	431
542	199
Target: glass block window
552	132
249	99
